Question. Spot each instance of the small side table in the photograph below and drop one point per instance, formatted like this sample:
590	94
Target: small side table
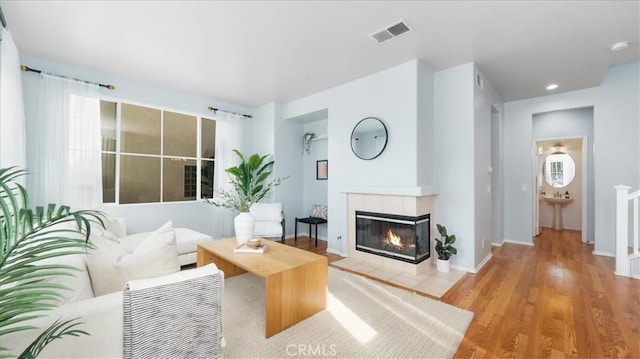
311	221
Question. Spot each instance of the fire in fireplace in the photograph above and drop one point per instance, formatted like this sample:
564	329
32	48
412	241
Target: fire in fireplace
404	238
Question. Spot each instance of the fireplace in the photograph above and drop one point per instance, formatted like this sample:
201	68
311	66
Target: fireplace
403	238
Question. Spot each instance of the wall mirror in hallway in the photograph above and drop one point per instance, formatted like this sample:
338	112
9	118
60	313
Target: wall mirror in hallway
560	169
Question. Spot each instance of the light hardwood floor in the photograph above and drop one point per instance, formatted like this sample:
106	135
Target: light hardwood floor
555	299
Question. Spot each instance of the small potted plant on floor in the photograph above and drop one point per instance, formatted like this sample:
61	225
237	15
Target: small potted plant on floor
444	248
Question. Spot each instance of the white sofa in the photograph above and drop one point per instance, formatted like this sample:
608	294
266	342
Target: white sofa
96	295
187	240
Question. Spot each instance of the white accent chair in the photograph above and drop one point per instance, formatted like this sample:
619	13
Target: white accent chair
269	220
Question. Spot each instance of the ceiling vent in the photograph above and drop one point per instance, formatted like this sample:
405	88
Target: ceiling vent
390	32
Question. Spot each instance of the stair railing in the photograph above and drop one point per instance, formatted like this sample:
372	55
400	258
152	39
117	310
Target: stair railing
624	259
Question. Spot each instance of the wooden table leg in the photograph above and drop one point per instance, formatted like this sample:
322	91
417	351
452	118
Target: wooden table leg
229	269
294	295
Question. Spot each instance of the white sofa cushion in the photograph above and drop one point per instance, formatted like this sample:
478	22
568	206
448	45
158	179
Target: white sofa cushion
111	265
116	225
78	284
101	317
187	240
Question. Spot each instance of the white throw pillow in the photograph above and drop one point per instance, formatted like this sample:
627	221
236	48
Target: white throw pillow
78	283
111	266
98	231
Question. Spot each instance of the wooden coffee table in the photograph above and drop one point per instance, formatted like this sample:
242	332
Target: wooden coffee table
296	280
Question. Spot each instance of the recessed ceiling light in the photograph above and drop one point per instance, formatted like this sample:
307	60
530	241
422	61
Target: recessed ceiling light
619	46
552	87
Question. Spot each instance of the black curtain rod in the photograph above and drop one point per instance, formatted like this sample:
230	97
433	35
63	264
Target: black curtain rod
211	108
2	19
29	69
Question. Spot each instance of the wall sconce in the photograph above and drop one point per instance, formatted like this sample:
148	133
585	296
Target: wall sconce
559	148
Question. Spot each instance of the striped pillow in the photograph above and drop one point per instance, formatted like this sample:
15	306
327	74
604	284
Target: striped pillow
319	211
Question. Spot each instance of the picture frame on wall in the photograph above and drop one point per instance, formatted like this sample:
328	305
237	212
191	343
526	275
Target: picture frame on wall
322	169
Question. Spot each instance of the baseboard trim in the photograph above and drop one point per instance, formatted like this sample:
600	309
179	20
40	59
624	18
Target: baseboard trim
497	244
305	234
463	268
335	251
484	261
603	254
518	242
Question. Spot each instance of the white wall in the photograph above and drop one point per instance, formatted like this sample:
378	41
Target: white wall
454	154
259	131
425	127
288	137
145	217
616	121
570	124
314	191
389	95
484	98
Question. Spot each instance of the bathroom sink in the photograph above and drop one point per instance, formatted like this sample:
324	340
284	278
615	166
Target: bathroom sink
558	203
557	200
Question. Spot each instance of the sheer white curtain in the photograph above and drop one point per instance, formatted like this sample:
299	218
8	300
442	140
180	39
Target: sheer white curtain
64	145
228	138
12	124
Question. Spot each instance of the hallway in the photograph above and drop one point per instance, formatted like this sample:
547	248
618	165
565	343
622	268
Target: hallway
553	299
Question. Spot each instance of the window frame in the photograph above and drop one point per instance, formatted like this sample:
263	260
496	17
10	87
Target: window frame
118	153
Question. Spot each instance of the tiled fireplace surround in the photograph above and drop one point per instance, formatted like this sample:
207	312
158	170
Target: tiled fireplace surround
421	277
390	204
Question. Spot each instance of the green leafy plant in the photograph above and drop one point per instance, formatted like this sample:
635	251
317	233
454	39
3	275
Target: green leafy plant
250	183
27	236
444	246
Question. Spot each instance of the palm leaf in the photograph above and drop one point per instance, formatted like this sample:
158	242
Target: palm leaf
56	331
27	237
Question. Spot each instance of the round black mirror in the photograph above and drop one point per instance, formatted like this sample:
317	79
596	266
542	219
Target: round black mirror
369	138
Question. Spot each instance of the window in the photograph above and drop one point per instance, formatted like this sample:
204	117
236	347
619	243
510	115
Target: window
152	155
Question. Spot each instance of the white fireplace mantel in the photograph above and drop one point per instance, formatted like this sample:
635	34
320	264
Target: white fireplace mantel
392	190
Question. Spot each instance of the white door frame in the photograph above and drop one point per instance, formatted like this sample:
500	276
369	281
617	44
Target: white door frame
585	184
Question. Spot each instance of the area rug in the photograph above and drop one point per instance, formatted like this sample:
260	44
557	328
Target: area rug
363	319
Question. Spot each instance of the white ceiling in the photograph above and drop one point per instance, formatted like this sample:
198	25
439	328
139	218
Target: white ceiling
254	52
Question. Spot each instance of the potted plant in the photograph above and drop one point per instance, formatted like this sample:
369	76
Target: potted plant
444	248
306	142
250	185
29	235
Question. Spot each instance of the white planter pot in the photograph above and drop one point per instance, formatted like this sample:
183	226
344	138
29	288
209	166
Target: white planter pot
442	265
244	223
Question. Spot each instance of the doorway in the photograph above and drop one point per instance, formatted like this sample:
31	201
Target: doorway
497	181
563	148
559	181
